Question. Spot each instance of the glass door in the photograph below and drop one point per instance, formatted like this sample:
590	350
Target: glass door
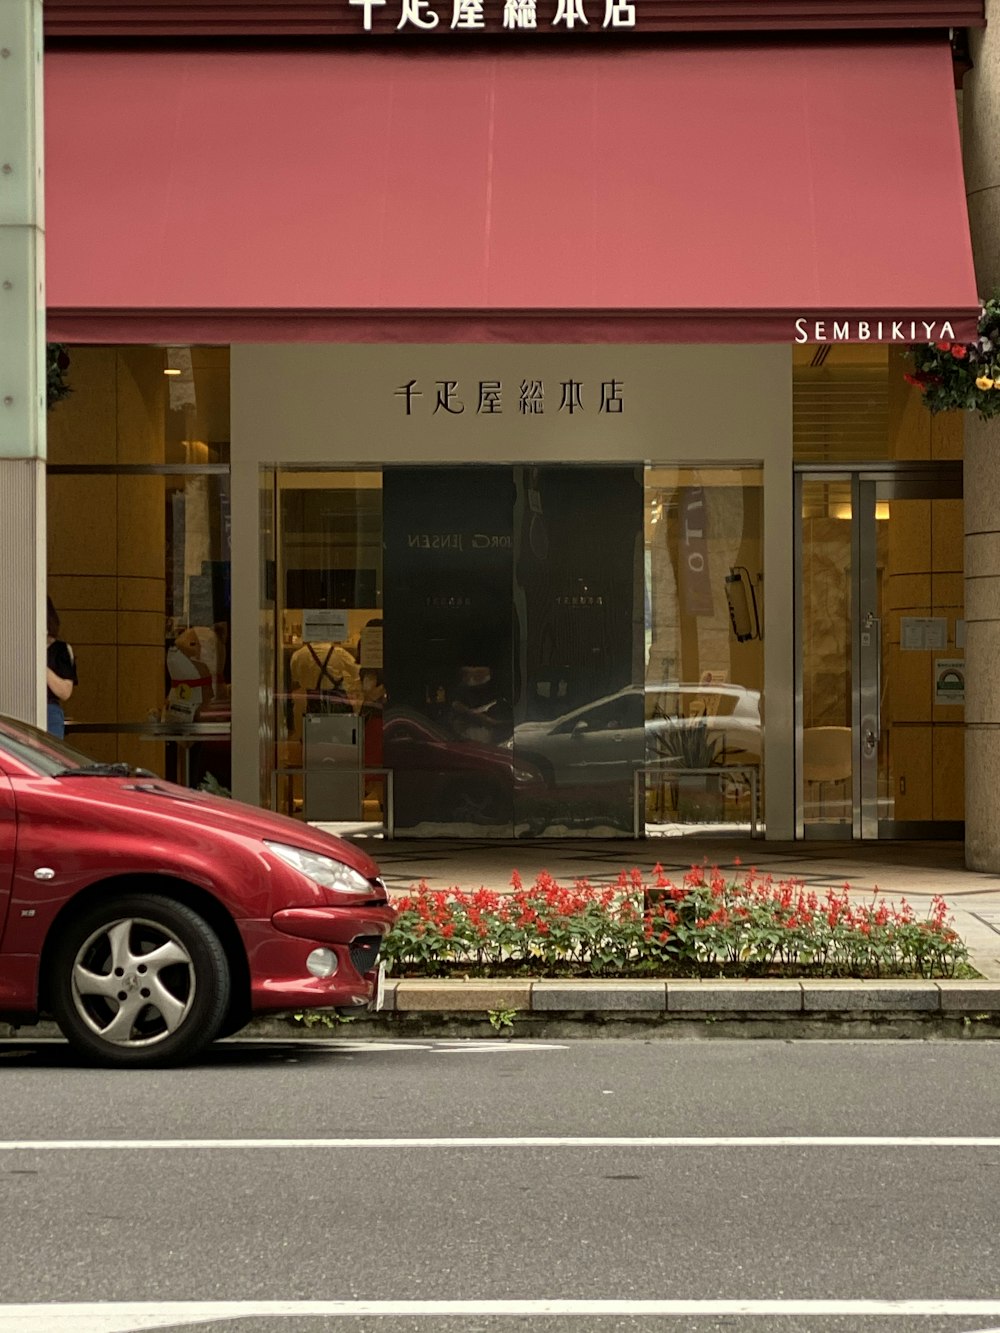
881	648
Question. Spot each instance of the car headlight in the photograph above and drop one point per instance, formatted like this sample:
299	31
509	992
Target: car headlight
323	870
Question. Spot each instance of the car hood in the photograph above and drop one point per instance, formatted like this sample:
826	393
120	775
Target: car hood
152	796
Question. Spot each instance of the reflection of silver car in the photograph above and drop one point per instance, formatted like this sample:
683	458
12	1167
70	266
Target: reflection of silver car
607	740
729	715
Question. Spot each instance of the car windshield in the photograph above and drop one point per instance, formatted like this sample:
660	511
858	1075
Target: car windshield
38	750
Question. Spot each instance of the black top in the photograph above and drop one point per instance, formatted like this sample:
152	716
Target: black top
60	660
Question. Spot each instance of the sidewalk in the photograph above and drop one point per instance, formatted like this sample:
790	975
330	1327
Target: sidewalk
916	871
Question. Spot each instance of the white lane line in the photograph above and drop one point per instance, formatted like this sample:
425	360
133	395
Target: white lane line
125	1317
540	1141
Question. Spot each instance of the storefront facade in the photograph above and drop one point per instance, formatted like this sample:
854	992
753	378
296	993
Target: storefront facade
530	451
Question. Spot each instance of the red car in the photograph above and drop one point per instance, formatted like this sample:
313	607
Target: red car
149	920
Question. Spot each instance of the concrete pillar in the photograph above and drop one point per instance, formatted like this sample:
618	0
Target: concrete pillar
22	364
981	136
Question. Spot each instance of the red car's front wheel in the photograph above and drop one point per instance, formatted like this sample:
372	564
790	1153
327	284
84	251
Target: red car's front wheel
139	981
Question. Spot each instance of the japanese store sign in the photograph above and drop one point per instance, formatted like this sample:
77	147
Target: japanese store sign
474	16
527	398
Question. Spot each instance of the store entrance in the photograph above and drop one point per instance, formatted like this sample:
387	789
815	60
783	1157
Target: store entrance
882	646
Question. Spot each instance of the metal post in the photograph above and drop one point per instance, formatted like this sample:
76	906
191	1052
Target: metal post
22	364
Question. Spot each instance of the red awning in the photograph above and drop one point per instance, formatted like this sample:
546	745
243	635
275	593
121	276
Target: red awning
683	194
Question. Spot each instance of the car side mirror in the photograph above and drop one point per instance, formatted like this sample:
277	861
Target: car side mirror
581	727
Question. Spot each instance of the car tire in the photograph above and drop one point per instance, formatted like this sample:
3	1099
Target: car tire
139	981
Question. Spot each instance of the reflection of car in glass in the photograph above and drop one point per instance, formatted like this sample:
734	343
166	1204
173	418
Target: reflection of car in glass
441	778
605	741
729	714
149	919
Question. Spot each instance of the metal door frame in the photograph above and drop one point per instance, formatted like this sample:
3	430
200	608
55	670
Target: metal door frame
937	480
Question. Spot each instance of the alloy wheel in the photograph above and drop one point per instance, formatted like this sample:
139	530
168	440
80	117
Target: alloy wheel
133	982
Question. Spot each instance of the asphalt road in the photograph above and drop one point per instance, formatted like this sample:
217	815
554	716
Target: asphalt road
587	1185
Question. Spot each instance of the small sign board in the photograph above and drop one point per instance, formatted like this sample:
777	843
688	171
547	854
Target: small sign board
371	647
949	680
923	632
324	625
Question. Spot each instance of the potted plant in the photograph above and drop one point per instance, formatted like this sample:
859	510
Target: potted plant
961	376
688	743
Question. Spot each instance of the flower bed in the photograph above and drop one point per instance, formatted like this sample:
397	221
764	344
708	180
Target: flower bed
707	925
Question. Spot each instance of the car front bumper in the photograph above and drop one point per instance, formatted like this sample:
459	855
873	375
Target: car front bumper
277	950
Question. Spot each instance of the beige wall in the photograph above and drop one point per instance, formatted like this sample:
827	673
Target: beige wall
319	404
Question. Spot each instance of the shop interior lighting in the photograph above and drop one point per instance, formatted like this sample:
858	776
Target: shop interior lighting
844	511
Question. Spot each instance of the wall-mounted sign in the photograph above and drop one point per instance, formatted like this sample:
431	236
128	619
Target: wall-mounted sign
475	16
949	680
917	633
324	625
873	330
526	398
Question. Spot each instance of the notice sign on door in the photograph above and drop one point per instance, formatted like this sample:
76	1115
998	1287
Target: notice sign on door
921	632
949	680
324	625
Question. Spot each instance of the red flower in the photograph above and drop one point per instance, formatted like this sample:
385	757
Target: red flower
943	347
958	351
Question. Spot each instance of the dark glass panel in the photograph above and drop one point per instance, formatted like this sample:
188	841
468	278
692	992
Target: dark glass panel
448	644
578	736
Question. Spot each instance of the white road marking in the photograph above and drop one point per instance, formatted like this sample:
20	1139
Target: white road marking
540	1141
126	1317
22	1046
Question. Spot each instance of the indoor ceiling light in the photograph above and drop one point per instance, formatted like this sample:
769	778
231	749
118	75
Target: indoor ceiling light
171	370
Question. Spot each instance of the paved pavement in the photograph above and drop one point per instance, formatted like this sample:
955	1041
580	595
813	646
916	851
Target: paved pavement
913	870
555	1187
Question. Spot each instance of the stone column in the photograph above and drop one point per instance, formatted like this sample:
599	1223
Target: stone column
981	135
22	364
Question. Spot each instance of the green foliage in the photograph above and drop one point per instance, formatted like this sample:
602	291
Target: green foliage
502	1020
211	784
962	376
327	1018
56	366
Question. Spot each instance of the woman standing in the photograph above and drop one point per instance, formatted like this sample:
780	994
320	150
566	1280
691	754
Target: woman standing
60	675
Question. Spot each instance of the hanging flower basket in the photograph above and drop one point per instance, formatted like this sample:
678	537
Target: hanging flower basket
961	376
56	366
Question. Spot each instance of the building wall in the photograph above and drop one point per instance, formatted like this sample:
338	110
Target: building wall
316	404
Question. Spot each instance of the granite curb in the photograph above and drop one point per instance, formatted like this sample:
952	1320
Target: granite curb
692	996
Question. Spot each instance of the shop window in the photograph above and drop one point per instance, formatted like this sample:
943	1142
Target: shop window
139	555
325	685
704	673
463	650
